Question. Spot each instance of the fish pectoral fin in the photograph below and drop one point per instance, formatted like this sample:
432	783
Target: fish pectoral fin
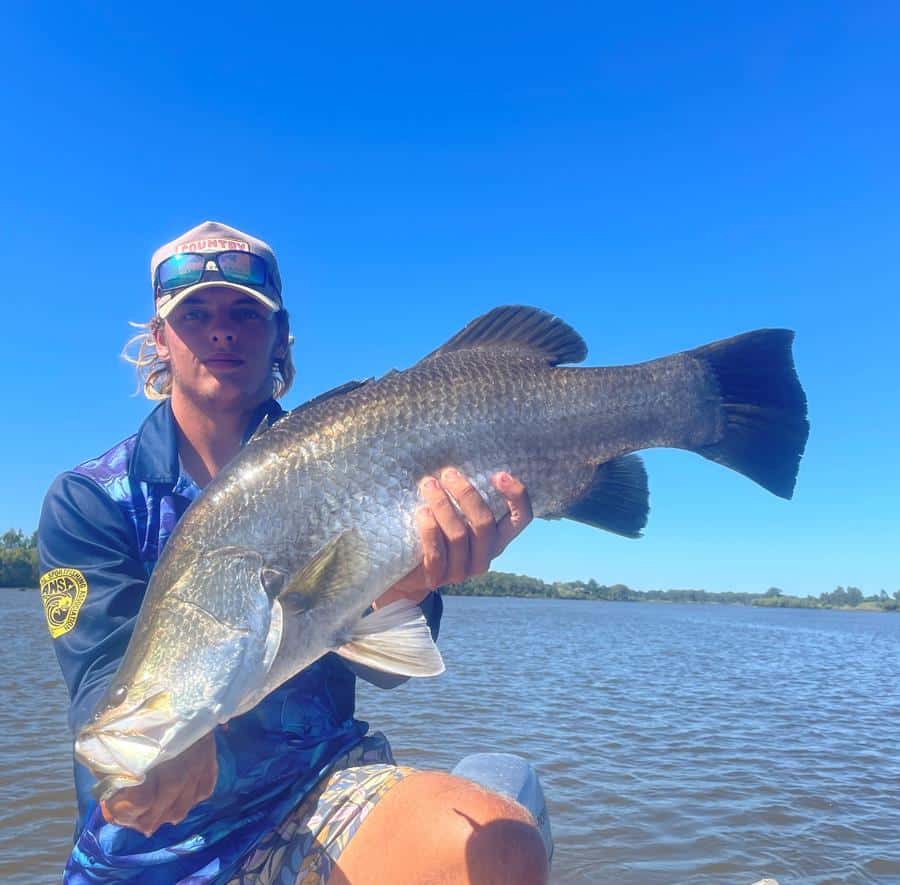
342	563
522	328
395	639
617	499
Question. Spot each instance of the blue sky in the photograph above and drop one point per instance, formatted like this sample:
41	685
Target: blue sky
659	177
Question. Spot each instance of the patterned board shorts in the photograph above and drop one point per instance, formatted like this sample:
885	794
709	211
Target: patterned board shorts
303	850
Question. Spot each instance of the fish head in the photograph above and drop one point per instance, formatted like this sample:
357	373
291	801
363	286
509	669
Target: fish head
196	654
132	730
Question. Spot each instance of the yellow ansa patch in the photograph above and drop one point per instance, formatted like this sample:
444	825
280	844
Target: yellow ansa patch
63	591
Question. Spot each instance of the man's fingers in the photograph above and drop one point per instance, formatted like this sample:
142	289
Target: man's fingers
452	524
482	526
129	803
187	798
204	769
519	504
178	800
458	531
208	784
434	551
452	527
169	792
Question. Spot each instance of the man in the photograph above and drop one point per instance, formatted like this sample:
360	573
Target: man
294	790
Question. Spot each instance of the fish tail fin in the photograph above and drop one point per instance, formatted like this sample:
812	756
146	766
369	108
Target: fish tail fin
764	407
617	499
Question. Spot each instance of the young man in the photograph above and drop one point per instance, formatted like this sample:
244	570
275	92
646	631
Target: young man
294	790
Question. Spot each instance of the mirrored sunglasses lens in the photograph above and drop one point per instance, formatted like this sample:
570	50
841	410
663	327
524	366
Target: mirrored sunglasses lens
180	270
242	267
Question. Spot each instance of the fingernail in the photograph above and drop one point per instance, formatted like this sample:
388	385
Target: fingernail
504	479
425	512
429	483
450	473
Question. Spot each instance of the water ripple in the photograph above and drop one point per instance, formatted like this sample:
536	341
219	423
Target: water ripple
676	744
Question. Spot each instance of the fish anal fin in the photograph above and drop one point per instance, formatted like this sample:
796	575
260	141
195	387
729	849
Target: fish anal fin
341	564
395	639
520	327
617	499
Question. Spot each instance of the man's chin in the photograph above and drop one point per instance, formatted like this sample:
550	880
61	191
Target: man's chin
231	392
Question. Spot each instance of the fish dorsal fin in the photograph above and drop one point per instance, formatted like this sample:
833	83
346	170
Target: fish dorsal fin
264	424
340	390
525	328
341	564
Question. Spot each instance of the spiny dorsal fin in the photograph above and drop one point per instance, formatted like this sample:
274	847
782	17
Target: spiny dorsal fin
340	390
264	424
527	328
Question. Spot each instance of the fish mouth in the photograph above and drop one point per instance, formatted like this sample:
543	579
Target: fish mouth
126	743
117	753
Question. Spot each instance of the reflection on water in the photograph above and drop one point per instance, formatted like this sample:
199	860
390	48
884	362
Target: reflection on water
676	743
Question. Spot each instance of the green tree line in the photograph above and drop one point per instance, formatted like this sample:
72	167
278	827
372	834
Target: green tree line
505	584
18	559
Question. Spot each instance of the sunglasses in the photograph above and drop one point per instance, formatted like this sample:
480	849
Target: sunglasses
188	268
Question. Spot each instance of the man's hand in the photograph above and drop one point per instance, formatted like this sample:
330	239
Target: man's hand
170	791
459	545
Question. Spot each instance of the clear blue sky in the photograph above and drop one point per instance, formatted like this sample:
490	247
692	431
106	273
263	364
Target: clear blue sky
659	177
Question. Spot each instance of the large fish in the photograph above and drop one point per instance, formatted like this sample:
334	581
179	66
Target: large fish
279	560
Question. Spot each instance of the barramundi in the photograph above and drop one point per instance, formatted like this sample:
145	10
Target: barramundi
280	558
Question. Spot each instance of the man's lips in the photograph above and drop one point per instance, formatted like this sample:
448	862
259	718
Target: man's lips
223	360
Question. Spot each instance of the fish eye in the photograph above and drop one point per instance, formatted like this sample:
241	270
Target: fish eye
118	695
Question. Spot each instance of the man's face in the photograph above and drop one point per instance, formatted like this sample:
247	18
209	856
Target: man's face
220	344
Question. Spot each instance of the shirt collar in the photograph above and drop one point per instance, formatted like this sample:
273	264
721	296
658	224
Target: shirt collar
155	456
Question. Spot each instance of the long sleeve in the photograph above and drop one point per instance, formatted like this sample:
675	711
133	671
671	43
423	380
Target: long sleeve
92	584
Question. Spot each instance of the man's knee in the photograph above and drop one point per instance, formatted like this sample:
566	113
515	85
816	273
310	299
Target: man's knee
496	837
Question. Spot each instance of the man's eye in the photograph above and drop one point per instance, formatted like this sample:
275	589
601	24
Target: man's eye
249	313
193	315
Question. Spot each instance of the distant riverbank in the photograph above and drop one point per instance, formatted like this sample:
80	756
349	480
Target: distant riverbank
505	584
526	587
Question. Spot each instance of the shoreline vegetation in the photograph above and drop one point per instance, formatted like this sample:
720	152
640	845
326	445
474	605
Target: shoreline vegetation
19	571
505	584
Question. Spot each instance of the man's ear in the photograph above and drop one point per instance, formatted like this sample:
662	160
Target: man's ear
159	339
282	342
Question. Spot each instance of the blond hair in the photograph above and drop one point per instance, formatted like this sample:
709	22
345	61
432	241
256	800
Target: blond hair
155	375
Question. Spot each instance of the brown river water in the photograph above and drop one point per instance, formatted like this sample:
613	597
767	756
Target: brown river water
676	743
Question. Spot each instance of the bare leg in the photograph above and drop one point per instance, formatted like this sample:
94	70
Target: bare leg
437	828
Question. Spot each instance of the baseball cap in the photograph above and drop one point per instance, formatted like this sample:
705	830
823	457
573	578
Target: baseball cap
213	237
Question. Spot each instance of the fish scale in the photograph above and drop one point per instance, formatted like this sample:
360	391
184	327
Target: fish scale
289	545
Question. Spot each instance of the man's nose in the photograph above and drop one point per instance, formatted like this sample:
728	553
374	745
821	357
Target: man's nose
223	329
